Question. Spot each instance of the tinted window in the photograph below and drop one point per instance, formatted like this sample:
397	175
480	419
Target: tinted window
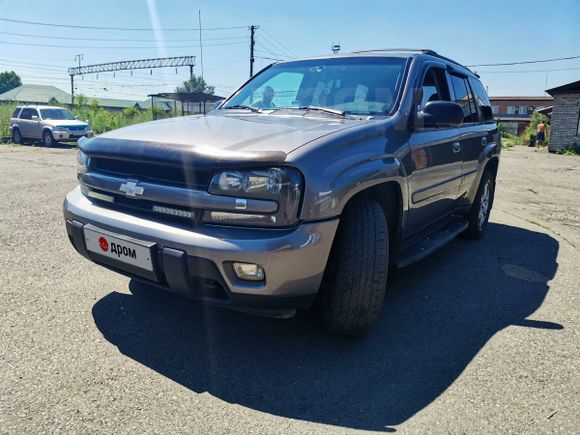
33	112
15	114
26	114
480	94
433	88
464	99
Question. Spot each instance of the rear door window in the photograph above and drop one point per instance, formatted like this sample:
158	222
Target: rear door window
464	98
26	114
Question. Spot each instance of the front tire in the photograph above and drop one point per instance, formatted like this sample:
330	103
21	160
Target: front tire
48	139
478	216
355	280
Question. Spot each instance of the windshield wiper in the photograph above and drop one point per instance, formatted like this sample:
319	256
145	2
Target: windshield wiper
323	109
244	107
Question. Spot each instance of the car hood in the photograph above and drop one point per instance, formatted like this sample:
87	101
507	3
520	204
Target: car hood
216	138
64	122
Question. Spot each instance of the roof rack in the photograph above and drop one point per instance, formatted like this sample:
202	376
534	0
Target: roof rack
418	50
421	50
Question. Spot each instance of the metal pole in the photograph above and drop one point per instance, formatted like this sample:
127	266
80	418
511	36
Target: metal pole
200	44
252	44
72	90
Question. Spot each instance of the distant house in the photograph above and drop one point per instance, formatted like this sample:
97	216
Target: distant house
35	94
43	94
565	123
515	113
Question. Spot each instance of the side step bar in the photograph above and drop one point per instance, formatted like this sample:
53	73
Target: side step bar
424	247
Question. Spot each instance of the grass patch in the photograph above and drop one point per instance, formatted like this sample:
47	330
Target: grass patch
573	150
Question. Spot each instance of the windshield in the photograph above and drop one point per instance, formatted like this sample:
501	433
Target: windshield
56	114
356	85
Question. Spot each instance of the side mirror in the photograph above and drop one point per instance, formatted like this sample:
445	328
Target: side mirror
486	113
77	118
440	114
34	118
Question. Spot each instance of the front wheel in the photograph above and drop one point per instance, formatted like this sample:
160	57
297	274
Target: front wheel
48	139
355	280
478	216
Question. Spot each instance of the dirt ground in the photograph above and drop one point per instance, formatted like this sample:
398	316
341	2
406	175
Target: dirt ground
481	337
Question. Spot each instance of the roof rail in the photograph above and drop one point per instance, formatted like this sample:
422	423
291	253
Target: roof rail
421	50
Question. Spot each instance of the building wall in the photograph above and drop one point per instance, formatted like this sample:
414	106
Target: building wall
565	118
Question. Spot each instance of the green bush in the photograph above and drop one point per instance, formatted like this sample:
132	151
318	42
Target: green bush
6	111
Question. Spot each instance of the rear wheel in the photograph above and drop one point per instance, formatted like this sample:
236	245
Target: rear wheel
355	280
16	136
48	139
479	213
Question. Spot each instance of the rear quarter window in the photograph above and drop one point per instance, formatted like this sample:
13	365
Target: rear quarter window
15	114
479	91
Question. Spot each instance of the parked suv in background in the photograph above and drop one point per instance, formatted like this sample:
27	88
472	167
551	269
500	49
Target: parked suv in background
51	124
305	187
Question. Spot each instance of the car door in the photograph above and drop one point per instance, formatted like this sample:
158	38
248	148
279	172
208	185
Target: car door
471	134
436	157
35	129
24	122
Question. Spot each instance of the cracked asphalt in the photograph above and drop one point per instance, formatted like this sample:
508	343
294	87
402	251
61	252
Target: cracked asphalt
482	337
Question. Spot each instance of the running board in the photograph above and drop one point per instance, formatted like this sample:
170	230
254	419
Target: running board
424	247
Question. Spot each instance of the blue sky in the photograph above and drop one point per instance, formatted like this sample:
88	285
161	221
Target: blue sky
471	32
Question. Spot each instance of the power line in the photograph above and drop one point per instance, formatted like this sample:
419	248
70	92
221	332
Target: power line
279	43
526	62
72	26
266	51
270	58
115	48
529	71
69	38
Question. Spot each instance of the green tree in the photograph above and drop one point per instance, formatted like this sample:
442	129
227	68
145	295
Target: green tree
195	84
9	80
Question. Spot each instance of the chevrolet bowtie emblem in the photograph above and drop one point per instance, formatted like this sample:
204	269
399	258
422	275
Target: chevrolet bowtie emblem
131	188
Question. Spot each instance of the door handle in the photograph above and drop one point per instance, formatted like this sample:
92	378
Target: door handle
483	141
456	147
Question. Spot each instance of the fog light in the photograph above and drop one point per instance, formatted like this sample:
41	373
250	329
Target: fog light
249	271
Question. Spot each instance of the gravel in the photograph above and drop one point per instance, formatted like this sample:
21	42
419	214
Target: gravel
482	337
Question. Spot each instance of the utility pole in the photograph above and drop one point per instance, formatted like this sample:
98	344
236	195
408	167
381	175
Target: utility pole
252	43
200	45
78	57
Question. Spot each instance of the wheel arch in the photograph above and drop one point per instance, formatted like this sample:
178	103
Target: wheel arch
389	195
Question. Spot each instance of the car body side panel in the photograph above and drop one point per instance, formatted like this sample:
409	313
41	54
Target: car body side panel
354	160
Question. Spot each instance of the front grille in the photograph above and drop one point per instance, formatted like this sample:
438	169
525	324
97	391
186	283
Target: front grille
76	127
158	173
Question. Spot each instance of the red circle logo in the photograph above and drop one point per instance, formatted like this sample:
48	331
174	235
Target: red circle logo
103	244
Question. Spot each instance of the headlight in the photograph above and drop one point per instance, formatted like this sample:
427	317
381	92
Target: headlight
82	162
283	185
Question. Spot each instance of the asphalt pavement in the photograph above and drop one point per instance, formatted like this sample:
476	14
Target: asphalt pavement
481	337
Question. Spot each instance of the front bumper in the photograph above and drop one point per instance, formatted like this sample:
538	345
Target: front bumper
196	261
70	136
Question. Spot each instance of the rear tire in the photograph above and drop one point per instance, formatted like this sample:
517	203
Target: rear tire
478	216
47	139
355	280
16	136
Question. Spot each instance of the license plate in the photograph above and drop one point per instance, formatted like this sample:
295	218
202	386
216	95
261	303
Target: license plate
118	247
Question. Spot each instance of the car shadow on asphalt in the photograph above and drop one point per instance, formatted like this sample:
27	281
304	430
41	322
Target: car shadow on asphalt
438	315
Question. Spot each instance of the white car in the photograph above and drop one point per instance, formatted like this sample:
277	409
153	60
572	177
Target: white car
51	124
